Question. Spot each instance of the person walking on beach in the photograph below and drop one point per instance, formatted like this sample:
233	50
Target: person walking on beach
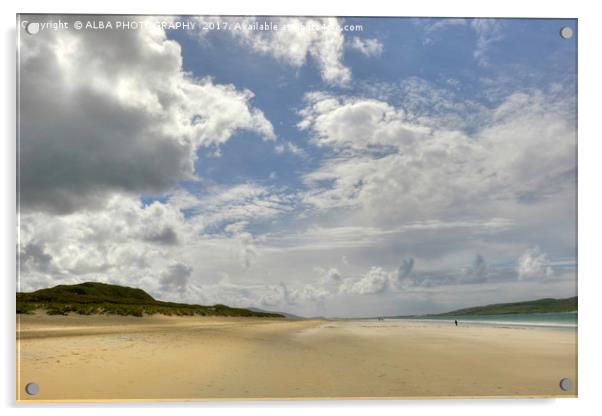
456	322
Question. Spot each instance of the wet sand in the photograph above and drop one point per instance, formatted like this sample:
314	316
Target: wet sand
97	358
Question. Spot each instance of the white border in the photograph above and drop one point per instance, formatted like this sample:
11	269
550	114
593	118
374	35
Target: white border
590	207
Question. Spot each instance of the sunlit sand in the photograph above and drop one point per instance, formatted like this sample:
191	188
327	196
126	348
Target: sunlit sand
80	358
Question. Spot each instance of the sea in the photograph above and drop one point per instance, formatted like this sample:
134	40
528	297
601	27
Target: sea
552	319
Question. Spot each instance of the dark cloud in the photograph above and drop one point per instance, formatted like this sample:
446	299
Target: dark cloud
105	112
175	278
406	267
78	139
477	273
165	236
33	256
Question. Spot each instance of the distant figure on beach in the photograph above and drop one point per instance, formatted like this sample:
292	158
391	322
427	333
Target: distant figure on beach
456	322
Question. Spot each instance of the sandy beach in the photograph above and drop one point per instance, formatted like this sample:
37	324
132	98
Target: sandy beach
82	358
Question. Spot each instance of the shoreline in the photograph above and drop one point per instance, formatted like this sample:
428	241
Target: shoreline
500	324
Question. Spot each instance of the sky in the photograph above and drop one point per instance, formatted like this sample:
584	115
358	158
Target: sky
339	167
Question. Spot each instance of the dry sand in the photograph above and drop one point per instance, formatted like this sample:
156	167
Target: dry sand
81	358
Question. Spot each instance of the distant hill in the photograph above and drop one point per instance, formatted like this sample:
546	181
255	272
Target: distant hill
100	298
532	306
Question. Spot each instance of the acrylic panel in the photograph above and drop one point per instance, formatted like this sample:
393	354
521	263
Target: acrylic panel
235	208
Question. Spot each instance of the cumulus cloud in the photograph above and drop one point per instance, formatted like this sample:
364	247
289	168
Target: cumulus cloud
113	241
377	280
282	295
125	243
134	244
331	276
534	264
296	40
113	111
368	47
414	174
396	171
308	293
274	296
356	123
165	235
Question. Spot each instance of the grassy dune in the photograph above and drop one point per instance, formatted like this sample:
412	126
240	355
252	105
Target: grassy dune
534	306
101	298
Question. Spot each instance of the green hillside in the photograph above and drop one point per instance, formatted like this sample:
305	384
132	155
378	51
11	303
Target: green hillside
532	306
101	298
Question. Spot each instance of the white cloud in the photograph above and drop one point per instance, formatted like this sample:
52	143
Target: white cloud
534	264
236	206
136	245
118	244
395	172
376	280
334	275
320	38
368	47
292	148
112	246
331	276
412	176
357	123
113	111
281	296
488	31
274	296
358	237
308	293
247	251
118	240
425	103
434	25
